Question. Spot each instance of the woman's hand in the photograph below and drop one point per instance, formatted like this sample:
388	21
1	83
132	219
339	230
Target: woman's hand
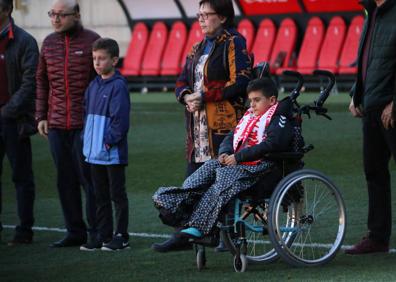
193	102
193	96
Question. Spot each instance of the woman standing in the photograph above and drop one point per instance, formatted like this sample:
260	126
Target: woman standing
212	87
213	82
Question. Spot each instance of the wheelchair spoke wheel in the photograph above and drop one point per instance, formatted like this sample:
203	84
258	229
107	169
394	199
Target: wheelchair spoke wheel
258	246
318	225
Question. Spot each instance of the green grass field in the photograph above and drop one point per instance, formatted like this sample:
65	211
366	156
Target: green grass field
156	141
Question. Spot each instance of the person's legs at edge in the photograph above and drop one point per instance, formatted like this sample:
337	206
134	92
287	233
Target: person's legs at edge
19	153
378	143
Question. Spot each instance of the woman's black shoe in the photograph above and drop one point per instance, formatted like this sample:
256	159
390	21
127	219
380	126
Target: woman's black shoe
69	242
174	243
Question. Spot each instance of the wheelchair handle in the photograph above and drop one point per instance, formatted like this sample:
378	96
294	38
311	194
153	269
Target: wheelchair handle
262	69
324	94
300	82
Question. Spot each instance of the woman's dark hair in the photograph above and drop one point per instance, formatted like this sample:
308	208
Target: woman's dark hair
265	85
107	44
223	8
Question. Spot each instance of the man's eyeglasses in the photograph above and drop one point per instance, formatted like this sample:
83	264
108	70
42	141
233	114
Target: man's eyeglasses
54	15
205	16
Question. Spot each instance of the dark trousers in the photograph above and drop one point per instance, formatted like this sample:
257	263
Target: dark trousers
379	144
192	167
72	173
19	154
109	184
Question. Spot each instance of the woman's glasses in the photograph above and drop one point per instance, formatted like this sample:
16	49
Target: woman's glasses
205	16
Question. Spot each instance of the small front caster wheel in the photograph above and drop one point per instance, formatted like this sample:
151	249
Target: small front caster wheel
201	259
240	263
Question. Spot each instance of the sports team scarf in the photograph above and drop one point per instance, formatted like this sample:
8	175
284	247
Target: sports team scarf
250	130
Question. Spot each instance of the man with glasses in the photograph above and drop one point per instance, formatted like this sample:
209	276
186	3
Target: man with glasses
18	62
65	70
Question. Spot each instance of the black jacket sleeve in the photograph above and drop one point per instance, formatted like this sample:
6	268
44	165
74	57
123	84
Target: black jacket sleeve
226	146
23	99
279	138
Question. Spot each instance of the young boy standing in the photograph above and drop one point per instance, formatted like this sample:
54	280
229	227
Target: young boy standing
107	107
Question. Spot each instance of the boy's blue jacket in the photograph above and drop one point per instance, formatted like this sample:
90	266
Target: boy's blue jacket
106	125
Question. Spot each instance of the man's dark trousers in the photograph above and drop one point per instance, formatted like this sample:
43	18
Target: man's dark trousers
72	173
19	153
379	144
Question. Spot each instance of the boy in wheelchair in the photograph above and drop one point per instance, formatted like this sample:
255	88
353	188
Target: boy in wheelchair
194	209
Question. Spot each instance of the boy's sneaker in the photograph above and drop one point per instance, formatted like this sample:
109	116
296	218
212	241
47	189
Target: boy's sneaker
92	245
118	243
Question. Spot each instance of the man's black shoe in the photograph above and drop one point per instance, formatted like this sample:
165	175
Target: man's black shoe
174	243
21	238
68	242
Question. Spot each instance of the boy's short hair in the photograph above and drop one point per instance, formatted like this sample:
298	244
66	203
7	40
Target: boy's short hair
6	5
107	44
265	85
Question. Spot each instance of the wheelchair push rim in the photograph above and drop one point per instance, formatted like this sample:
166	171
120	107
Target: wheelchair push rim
318	229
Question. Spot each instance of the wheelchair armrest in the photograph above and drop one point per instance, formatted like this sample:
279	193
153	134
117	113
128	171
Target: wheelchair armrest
287	156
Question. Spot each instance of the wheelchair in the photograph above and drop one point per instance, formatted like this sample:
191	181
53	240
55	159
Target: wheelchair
293	213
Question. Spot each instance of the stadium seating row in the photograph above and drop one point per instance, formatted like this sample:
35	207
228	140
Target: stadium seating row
163	53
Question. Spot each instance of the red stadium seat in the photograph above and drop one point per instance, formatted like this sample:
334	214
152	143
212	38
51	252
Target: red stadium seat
332	44
307	59
194	36
284	45
246	28
174	49
135	52
264	41
154	50
351	45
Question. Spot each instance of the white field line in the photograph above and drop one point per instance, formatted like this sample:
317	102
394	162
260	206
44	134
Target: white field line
155	235
62	230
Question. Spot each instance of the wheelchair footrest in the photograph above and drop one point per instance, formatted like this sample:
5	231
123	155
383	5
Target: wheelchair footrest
209	241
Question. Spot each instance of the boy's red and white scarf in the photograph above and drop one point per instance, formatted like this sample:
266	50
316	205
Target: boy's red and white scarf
250	130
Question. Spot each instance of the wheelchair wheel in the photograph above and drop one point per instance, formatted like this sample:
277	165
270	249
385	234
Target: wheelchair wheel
318	227
258	245
240	263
